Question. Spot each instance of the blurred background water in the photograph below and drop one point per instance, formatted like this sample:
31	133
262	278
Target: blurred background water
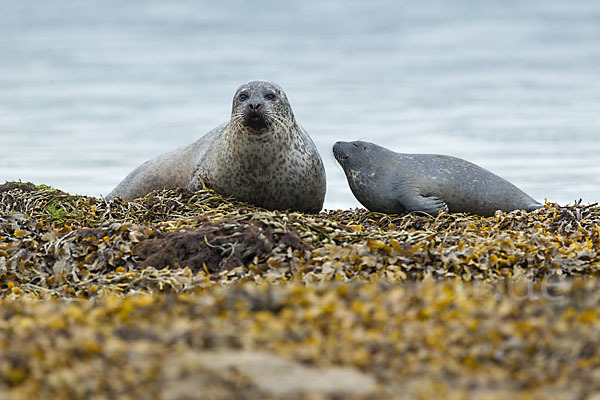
91	89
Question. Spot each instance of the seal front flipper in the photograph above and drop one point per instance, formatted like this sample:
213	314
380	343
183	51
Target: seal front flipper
197	183
415	201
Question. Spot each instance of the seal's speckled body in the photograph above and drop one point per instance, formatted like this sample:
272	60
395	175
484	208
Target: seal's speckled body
389	182
261	156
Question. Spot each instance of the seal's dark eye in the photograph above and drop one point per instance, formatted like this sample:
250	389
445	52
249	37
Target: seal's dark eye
270	96
243	97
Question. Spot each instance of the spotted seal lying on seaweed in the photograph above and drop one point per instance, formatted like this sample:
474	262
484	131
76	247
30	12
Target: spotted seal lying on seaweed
261	156
390	182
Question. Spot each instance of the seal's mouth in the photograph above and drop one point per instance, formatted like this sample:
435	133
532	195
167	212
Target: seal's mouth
255	120
339	153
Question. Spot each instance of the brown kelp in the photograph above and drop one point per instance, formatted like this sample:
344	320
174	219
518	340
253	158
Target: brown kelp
149	298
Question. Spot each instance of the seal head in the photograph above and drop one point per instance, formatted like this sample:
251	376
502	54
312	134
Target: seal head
390	182
259	106
254	106
366	169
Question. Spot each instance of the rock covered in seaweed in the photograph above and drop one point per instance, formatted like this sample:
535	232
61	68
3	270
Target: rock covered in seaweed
54	242
139	295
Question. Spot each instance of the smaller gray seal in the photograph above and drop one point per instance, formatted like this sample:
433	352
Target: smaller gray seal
390	182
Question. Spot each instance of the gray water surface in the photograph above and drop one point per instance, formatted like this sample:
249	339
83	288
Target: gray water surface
89	90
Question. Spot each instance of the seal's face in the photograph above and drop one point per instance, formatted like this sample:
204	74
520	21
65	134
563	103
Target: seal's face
354	156
260	105
360	164
366	167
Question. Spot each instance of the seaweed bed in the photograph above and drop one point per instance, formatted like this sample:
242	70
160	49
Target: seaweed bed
184	295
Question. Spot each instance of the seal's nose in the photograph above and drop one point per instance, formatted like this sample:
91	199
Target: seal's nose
255	106
339	152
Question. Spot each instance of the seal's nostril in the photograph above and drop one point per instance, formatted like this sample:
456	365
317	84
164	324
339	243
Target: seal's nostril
255	106
339	154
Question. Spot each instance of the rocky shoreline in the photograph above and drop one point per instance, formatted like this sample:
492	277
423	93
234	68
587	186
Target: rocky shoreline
185	295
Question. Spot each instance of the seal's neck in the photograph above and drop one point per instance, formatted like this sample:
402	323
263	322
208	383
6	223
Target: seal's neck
244	141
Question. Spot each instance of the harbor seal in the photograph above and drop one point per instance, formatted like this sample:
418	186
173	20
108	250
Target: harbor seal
390	182
261	156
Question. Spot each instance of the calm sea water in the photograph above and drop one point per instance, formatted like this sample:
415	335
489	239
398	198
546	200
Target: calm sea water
90	89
